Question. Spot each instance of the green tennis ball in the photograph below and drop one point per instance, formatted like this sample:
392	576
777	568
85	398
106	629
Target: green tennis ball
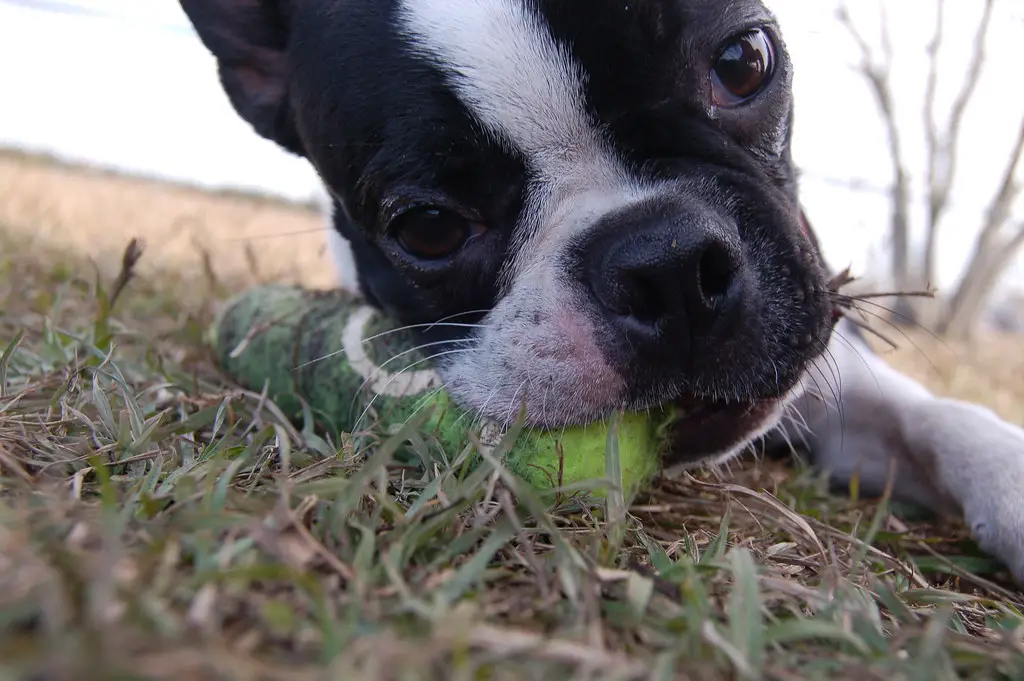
352	368
550	459
577	454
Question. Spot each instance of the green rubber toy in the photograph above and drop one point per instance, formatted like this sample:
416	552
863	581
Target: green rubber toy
348	364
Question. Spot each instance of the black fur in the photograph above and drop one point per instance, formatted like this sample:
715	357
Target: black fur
399	137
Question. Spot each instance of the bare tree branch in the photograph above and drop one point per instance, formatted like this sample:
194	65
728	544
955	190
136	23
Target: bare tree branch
843	15
932	87
1009	189
990	256
1017	241
995	246
878	78
887	52
931	129
970	83
943	153
988	265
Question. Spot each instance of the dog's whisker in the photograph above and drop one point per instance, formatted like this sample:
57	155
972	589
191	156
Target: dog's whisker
848	301
903	333
882	294
422	404
411	327
839	405
467	313
857	303
373	400
818	391
544	403
478	415
337	353
322	358
512	405
404	353
864	326
270	235
775	366
377	371
799	422
833	364
835	385
836	391
784	432
812	391
857	352
807	398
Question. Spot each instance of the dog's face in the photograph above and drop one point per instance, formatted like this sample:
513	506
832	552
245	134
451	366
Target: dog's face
592	199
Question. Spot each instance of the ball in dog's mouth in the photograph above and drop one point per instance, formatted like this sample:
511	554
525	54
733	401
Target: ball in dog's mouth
708	429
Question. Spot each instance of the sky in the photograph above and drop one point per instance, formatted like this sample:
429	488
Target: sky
126	85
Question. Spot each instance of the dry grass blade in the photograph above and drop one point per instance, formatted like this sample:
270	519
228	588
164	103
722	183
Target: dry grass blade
508	643
129	260
784	511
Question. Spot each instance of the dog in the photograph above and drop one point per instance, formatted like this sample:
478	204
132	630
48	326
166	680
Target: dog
589	205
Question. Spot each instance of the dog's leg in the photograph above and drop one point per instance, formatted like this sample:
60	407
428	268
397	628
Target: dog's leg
866	419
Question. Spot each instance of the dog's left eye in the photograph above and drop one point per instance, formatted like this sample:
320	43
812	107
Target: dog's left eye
743	68
432	233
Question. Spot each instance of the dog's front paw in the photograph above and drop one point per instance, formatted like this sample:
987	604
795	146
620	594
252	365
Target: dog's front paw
998	527
983	458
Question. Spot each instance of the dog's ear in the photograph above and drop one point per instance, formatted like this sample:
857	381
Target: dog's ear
250	38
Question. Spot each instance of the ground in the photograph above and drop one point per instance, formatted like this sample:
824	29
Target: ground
158	522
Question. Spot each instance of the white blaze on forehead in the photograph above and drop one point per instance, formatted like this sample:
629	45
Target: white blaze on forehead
506	67
502	62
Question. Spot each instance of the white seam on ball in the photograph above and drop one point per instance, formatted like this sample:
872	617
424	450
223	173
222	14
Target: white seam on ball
381	382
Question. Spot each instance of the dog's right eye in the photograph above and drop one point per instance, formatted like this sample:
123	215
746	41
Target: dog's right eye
743	68
432	233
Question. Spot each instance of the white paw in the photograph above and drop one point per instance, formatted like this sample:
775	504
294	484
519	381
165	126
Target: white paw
984	461
999	531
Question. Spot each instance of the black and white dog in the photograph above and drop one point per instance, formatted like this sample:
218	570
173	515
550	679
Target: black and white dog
596	202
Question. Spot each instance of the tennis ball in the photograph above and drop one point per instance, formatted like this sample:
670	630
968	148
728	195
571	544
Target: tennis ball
552	458
556	458
353	368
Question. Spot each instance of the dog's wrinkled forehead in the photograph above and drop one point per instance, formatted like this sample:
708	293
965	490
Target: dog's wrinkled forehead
529	92
507	68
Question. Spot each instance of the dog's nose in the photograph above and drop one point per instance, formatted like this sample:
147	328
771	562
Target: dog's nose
666	279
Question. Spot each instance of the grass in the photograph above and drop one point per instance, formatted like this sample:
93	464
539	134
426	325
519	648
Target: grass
157	522
93	214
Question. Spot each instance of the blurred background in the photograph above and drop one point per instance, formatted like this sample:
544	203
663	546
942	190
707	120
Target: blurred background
910	128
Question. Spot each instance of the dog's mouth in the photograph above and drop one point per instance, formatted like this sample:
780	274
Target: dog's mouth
708	429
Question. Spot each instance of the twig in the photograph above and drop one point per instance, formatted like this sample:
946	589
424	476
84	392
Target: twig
511	642
132	254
